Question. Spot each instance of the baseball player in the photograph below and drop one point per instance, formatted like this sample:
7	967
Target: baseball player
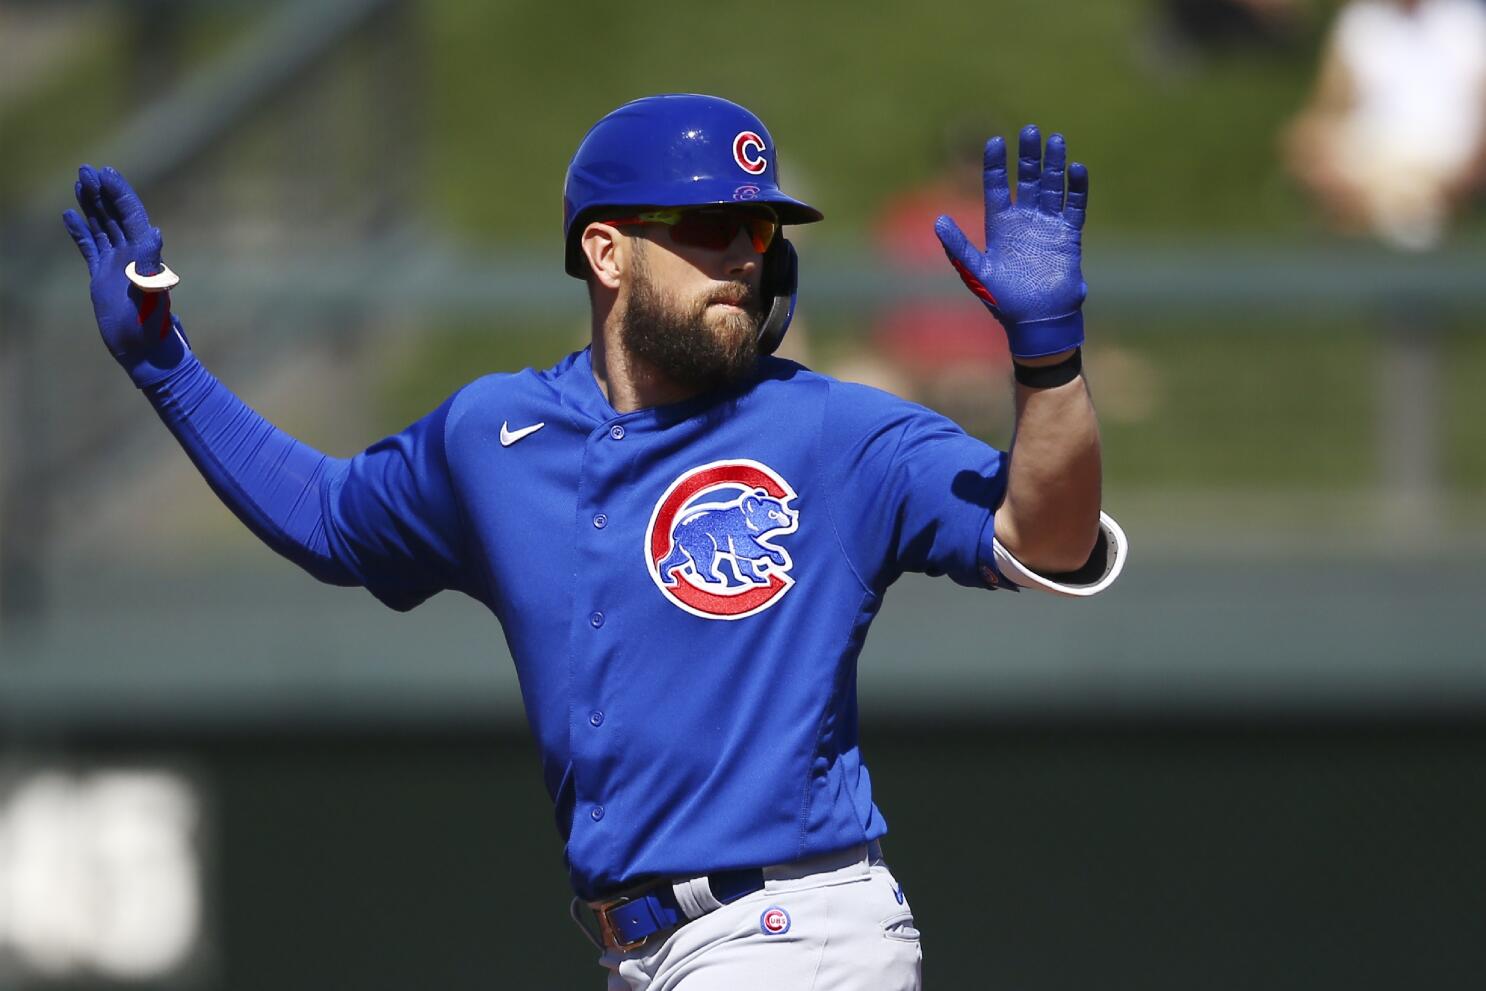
683	537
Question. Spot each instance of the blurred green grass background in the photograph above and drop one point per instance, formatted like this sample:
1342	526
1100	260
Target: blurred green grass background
861	99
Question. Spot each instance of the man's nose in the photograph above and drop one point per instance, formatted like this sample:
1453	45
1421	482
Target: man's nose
742	259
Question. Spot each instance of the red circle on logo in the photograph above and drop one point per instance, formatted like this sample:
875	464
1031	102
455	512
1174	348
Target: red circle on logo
748	152
700	601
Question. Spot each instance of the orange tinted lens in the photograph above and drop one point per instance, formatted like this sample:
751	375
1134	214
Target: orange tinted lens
762	230
716	229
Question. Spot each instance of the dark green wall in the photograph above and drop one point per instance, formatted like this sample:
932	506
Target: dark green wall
1036	857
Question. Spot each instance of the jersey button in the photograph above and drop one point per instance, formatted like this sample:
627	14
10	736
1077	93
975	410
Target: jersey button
597	619
597	813
617	432
600	521
596	718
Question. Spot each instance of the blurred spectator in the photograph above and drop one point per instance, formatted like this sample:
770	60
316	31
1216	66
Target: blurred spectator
1394	136
942	350
1221	25
1182	36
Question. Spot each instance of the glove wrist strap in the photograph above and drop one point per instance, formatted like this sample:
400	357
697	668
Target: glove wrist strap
1040	338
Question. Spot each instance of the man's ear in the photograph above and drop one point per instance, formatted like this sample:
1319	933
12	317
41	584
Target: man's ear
601	245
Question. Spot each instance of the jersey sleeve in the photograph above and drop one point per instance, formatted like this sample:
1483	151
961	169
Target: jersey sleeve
386	519
395	520
911	490
923	496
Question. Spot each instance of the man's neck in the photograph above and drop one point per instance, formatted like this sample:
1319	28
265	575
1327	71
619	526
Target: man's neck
629	383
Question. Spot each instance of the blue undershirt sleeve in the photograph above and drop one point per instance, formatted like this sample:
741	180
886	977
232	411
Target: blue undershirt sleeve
386	519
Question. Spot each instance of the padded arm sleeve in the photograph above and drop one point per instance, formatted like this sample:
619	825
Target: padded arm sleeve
1104	565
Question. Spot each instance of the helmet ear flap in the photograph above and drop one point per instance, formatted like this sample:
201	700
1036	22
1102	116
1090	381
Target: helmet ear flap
778	286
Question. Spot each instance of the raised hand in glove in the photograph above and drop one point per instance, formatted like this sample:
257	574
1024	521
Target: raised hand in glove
129	281
1029	274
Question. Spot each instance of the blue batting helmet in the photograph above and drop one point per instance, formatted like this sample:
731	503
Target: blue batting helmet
684	149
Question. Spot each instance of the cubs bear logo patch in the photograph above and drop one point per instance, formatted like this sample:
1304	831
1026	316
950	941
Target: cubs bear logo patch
711	546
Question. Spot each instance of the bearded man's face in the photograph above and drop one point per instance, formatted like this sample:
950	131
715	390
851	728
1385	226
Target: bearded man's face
700	338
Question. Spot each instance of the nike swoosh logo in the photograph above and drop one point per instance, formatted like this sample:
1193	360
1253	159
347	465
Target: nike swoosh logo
509	436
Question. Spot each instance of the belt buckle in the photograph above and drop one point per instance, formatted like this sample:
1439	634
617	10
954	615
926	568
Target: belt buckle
607	932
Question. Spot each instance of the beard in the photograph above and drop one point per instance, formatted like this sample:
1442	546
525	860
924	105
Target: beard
687	342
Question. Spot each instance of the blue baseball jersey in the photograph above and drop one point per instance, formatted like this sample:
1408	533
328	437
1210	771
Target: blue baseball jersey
685	590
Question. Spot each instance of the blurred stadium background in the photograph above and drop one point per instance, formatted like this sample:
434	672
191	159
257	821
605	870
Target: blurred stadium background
1256	762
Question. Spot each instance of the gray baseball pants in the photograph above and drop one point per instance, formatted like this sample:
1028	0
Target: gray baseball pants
838	922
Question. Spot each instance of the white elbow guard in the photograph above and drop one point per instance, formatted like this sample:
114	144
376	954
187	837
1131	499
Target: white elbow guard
1103	567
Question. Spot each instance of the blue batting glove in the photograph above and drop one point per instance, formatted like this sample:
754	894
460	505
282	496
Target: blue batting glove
136	325
1028	276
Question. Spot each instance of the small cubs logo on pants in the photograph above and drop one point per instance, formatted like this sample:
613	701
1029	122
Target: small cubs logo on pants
774	921
711	545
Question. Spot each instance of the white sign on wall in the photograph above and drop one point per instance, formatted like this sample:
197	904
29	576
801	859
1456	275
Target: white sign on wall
100	874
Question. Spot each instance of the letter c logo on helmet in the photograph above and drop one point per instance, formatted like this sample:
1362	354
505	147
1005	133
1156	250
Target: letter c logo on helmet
748	151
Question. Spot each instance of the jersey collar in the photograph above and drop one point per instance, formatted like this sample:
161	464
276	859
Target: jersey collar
582	390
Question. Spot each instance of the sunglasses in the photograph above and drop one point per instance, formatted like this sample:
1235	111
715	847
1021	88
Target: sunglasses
714	229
